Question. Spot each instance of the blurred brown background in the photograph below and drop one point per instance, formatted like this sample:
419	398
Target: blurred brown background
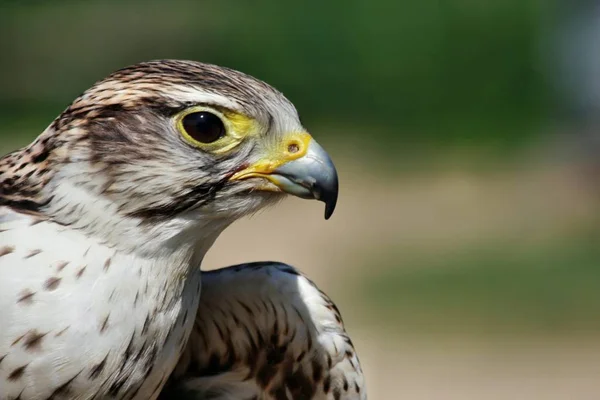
464	252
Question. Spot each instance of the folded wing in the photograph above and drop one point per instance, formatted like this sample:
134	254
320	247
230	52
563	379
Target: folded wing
265	331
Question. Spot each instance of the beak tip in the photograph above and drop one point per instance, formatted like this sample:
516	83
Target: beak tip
330	200
329	208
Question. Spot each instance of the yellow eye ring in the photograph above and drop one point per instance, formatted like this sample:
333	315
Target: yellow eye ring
237	127
201	126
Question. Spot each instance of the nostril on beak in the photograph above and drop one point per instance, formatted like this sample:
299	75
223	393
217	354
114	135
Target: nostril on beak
293	148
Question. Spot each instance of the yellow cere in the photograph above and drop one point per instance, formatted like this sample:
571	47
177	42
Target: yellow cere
291	147
237	126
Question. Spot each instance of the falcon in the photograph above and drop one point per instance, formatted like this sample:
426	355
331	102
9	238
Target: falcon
105	219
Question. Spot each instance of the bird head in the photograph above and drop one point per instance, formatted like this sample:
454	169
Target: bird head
166	140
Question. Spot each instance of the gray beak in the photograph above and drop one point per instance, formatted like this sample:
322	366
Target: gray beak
313	176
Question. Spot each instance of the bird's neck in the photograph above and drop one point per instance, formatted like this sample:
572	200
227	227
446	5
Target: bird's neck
78	206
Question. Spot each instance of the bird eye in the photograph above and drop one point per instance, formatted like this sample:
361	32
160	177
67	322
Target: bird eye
203	126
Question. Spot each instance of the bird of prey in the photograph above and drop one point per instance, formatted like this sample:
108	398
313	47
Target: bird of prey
105	219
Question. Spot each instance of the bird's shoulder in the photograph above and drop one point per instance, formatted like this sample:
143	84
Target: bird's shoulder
264	329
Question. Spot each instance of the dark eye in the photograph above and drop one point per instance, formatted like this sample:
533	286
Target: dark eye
203	126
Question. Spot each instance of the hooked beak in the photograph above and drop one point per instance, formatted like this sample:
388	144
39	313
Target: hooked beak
300	167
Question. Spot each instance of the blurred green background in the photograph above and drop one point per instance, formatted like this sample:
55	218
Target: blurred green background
469	208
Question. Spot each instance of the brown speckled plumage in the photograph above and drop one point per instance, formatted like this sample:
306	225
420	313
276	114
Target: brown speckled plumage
264	330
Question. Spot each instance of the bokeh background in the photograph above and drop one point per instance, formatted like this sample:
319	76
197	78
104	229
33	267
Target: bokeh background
464	254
